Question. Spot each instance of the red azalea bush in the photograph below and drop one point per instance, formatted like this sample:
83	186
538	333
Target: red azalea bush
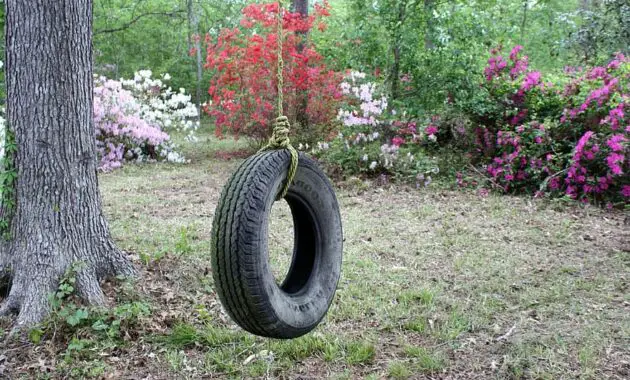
243	60
565	134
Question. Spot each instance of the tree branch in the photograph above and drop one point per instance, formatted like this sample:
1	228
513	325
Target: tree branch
135	19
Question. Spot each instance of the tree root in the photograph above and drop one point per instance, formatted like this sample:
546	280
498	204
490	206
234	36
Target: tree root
9	307
88	288
29	295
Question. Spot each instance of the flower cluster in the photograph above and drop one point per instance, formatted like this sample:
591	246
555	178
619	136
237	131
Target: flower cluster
371	103
425	134
122	132
569	137
596	167
522	158
160	105
497	66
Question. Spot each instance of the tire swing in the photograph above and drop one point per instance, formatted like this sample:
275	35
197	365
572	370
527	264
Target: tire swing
240	255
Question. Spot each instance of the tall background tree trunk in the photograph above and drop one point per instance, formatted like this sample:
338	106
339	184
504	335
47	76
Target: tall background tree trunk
589	40
524	21
57	219
394	74
429	6
194	41
301	117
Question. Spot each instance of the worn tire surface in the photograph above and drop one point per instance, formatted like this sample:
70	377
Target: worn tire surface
240	255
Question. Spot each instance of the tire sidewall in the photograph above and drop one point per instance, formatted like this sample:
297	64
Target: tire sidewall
302	311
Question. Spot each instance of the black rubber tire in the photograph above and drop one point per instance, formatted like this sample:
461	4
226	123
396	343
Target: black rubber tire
240	256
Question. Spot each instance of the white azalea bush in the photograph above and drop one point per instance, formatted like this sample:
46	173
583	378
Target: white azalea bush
372	139
133	117
368	103
161	105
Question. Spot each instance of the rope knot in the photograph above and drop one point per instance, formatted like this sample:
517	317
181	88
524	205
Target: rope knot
280	136
280	140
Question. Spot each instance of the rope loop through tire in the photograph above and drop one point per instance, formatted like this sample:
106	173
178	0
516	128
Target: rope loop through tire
243	279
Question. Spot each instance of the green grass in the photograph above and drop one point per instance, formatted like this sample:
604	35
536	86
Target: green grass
360	353
425	360
433	282
399	370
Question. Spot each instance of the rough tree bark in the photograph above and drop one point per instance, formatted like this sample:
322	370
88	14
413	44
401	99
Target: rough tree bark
57	219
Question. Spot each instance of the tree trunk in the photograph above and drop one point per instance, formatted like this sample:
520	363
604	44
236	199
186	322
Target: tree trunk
429	6
396	50
199	77
524	21
195	41
301	116
589	43
395	73
191	31
57	218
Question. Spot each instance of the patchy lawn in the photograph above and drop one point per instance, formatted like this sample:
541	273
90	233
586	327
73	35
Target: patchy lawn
436	284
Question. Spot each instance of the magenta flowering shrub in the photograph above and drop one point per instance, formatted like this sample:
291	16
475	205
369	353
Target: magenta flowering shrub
563	134
599	168
414	132
514	96
522	158
596	122
121	131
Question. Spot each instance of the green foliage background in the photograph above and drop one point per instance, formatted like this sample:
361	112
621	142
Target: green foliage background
443	43
130	35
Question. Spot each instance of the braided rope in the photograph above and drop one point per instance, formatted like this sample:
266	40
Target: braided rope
280	137
280	60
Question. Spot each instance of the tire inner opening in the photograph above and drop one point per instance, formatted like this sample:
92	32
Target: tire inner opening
292	246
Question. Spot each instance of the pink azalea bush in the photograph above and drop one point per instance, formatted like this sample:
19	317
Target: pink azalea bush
122	133
545	134
132	117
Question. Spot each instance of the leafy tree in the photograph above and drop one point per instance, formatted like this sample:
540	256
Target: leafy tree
130	35
435	47
603	28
